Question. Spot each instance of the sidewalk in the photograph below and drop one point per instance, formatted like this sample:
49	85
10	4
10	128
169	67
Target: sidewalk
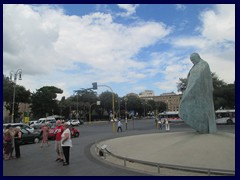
214	151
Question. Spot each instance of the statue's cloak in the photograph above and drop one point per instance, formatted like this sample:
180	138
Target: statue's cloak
196	105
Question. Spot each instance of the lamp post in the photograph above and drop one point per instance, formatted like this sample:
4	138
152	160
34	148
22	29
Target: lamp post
77	92
90	110
126	99
13	76
95	86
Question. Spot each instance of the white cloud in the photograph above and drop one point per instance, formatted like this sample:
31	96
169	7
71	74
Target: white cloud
180	7
216	42
219	24
73	51
129	8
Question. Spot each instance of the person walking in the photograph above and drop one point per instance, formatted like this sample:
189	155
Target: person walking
17	141
58	130
7	142
167	126
45	131
119	126
160	124
66	143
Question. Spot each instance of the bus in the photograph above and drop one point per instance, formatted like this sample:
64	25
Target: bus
225	116
172	116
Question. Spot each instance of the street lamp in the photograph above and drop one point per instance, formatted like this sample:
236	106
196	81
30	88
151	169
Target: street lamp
95	86
13	77
90	110
126	99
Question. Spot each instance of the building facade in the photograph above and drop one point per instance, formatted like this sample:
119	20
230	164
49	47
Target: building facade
23	107
147	95
171	99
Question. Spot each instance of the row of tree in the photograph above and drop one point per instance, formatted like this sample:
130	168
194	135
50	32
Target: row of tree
223	94
43	101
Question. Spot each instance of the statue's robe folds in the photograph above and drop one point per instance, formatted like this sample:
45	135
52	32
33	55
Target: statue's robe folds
196	105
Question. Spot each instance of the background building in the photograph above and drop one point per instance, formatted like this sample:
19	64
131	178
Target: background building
147	95
171	99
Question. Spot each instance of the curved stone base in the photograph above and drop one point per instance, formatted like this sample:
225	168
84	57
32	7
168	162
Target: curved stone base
216	151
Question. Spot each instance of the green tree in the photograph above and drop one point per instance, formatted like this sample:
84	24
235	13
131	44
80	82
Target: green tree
106	101
224	97
44	101
134	103
161	106
21	96
182	84
223	93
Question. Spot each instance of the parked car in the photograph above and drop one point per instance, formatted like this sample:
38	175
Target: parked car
30	137
21	125
74	122
32	123
74	132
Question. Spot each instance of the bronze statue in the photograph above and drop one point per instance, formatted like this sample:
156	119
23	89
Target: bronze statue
196	106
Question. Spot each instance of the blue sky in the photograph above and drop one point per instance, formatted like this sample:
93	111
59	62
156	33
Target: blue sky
129	47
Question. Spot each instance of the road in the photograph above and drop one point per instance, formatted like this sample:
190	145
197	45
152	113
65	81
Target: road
36	161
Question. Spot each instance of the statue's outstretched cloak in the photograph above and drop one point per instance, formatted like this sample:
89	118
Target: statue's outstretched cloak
196	105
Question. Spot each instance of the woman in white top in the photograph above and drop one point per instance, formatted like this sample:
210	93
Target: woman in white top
66	143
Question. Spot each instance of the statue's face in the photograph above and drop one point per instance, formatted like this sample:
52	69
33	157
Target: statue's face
195	58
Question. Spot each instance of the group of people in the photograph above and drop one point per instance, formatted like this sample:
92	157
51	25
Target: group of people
11	140
63	142
164	121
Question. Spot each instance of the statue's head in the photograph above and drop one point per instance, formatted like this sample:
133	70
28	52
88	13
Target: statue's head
195	58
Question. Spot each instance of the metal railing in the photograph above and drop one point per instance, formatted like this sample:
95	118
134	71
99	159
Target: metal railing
209	171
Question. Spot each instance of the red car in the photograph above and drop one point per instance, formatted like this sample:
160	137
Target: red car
74	133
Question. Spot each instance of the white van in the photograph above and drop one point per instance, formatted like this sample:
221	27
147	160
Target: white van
42	121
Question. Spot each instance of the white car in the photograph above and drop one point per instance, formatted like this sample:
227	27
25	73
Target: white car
32	123
73	122
225	120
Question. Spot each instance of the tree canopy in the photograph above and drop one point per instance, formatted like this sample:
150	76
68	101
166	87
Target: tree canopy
223	93
44	101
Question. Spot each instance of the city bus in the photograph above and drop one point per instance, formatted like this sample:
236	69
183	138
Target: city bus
225	116
172	116
222	116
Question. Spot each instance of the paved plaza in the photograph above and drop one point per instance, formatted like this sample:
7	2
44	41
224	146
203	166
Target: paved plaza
148	144
187	149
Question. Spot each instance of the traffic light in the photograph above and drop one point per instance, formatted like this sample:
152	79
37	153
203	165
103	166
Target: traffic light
94	85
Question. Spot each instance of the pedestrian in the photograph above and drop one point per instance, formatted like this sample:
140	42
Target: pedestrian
7	142
119	126
58	130
160	124
17	141
66	143
44	131
167	126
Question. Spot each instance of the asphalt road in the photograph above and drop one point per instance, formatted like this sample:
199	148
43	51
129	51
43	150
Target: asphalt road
36	161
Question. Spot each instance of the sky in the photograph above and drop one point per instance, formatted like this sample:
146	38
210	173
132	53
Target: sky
128	47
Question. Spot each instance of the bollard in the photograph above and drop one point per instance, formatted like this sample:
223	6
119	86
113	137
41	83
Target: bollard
158	169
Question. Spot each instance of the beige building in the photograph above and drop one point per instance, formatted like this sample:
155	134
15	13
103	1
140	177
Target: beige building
147	95
23	107
171	99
